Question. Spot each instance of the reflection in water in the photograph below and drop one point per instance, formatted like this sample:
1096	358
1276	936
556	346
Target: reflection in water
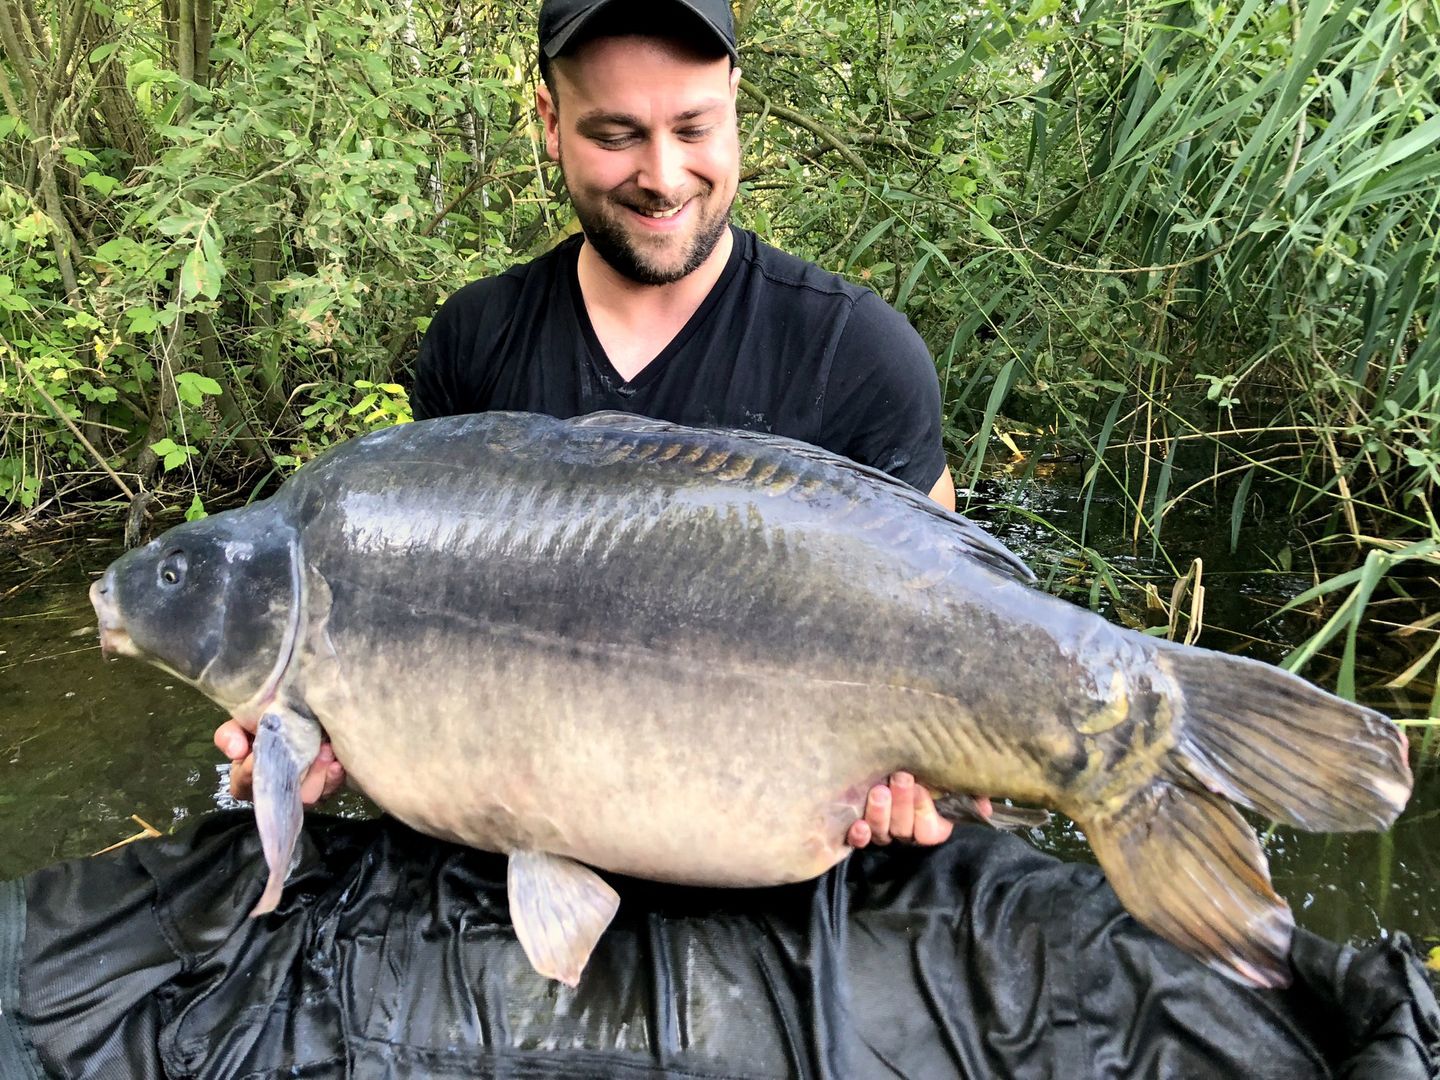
84	744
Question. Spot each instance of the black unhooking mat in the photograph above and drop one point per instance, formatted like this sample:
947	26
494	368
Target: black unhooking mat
392	956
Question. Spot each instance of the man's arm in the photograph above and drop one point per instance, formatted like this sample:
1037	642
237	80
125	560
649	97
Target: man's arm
944	490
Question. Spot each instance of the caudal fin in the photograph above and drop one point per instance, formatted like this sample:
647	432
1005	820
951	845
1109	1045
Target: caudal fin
1186	865
1270	741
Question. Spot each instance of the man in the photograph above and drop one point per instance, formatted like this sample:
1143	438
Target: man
661	307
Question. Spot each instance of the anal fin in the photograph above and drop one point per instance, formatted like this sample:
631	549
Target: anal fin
286	743
963	809
559	908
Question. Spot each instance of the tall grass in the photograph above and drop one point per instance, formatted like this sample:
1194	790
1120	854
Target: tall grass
1259	186
1214	272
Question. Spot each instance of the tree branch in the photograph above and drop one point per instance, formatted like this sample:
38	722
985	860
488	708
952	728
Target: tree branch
815	128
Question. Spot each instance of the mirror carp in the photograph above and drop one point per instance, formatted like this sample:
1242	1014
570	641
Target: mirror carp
687	654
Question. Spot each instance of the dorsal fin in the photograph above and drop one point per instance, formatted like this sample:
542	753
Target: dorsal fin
979	544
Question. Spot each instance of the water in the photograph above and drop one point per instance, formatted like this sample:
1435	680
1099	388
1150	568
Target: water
85	744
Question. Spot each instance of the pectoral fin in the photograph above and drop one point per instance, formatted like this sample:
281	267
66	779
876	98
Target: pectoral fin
286	743
559	909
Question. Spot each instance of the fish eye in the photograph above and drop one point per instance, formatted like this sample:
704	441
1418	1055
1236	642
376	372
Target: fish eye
172	569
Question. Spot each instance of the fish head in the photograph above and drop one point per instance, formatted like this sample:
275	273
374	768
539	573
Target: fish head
214	602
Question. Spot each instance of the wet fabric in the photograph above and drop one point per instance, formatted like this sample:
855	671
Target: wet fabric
392	956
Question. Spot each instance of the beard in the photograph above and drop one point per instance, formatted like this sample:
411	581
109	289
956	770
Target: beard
607	233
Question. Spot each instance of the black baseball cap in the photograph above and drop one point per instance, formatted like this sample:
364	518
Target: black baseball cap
562	20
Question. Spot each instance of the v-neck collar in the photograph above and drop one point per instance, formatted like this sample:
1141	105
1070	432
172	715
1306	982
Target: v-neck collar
600	360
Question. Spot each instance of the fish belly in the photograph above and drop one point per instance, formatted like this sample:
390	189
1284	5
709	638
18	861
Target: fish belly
693	772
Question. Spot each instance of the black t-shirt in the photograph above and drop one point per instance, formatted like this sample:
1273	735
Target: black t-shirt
779	345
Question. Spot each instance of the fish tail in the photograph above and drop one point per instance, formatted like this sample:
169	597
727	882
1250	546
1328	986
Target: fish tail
1270	741
1188	867
1183	860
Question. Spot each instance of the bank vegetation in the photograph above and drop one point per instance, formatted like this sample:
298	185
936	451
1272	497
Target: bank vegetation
1191	245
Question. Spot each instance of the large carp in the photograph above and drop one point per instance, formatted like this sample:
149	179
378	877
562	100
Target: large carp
687	655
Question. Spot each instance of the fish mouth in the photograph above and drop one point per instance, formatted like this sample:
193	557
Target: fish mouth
115	640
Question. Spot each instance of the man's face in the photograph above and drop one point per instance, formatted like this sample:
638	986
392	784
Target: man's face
646	136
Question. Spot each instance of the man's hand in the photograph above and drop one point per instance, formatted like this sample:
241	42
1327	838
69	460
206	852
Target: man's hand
325	777
903	810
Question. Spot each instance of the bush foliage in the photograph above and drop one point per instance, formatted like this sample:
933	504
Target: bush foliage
1125	228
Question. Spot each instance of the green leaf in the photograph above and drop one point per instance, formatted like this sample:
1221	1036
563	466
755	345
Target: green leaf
186	223
192	274
77	157
10	300
1093	474
192	388
998	393
985	229
1162	494
143	320
903	296
202	271
196	510
1237	508
868	239
114	249
100	182
163	447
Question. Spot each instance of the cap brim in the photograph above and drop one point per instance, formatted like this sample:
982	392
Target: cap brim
562	37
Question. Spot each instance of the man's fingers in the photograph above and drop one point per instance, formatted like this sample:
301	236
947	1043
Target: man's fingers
334	779
905	811
930	827
323	778
877	814
242	775
232	740
312	788
902	806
